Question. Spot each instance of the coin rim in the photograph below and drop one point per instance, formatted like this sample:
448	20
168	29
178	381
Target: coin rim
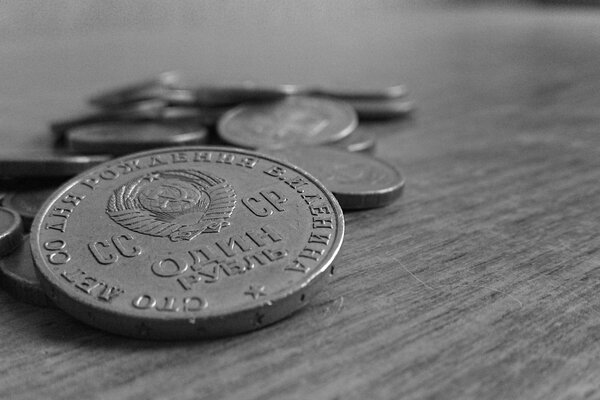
11	237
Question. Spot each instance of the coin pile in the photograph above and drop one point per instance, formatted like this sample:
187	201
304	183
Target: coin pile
223	213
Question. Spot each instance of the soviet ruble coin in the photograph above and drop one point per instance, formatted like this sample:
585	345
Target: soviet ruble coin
358	181
18	277
187	242
296	120
11	230
122	137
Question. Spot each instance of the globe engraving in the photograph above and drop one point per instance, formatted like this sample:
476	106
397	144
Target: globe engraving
172	196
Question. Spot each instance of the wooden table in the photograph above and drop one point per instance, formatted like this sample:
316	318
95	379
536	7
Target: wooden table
480	282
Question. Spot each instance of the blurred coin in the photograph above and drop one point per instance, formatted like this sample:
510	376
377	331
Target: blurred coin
17	275
137	91
357	181
140	111
361	140
44	163
382	109
187	242
27	202
293	121
356	93
224	95
127	137
11	231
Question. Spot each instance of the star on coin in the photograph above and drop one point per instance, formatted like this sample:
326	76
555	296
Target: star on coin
255	291
152	177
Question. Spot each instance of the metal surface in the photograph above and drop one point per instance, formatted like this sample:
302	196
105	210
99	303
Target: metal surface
128	137
382	109
187	242
357	181
362	140
11	230
27	202
45	163
289	122
18	276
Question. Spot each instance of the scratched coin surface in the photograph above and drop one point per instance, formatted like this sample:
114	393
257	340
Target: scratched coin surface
17	275
122	137
358	181
187	242
295	120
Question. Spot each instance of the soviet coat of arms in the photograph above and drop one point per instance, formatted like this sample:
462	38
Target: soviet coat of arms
179	204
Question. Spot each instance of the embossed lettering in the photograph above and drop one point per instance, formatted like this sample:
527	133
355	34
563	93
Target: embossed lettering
144	302
118	241
168	267
99	255
225	158
129	166
319	239
297	266
259	237
179	157
58	253
228	247
170	303
326	223
312	254
109	174
275	171
156	160
203	156
309	198
297	182
70	198
248	162
87	284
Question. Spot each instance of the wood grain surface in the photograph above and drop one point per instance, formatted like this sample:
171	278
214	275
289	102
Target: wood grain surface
481	282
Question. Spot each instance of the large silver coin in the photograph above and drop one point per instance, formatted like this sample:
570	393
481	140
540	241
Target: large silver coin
127	137
293	121
187	242
45	163
358	181
19	278
11	230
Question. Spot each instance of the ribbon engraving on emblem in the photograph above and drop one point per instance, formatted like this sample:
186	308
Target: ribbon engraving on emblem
180	204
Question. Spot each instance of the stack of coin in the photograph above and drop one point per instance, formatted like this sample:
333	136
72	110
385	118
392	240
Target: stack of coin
196	240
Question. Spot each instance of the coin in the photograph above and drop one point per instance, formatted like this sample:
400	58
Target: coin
292	121
360	93
187	242
357	181
361	140
137	91
139	111
223	95
18	276
127	137
27	202
380	110
11	230
44	163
